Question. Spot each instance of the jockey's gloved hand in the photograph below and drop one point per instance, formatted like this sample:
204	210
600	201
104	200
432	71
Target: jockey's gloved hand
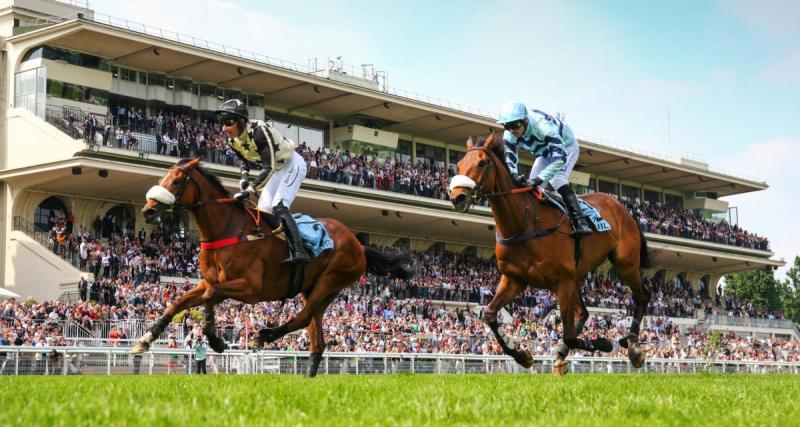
242	195
535	182
519	180
244	184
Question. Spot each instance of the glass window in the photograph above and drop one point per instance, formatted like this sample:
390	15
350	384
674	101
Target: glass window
430	155
156	79
143	78
34	53
611	188
673	201
78	93
652	197
195	89
183	85
288	130
255	101
114	72
455	156
207	90
232	94
314	138
220	92
127	75
403	152
592	185
630	194
170	83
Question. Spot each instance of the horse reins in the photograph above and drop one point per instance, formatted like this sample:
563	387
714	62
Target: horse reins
537	191
227	200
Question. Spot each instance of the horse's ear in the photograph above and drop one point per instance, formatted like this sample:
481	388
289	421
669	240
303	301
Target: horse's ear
193	163
489	140
470	144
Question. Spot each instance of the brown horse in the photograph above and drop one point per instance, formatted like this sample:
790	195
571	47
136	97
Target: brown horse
250	270
538	251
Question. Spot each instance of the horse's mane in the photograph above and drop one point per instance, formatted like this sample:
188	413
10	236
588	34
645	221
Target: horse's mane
499	150
213	179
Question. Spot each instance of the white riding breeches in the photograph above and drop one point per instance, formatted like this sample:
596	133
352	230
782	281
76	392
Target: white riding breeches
283	184
561	177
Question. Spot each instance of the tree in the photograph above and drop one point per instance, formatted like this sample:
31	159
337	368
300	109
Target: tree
758	286
791	303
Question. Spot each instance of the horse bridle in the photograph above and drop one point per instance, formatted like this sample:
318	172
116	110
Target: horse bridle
537	192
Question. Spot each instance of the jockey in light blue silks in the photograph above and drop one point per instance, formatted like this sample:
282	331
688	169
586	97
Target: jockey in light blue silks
555	148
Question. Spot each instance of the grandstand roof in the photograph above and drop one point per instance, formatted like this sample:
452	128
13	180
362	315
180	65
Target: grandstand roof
289	88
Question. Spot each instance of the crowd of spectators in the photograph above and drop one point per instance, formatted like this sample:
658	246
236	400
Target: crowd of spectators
356	323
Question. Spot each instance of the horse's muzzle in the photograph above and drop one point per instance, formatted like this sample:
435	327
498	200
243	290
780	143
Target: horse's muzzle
460	202
152	214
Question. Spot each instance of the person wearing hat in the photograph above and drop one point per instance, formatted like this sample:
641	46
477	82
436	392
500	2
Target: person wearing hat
258	145
556	151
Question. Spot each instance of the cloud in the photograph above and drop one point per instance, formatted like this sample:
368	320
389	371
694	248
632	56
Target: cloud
770	213
778	18
784	71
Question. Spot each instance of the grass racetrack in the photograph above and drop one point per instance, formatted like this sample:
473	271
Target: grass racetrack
412	400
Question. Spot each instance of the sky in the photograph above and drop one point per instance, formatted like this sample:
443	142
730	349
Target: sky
711	80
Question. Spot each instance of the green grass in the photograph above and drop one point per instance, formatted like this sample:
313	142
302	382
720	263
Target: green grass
495	400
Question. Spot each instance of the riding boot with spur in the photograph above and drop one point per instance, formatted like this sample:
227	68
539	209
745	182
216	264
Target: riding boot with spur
297	250
574	212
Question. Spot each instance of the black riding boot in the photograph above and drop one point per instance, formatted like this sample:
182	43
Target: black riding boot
297	251
574	212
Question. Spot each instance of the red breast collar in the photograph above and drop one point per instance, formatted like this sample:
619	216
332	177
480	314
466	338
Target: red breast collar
217	244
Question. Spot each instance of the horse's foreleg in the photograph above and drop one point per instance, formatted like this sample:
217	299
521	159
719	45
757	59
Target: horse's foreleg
581	316
507	291
192	298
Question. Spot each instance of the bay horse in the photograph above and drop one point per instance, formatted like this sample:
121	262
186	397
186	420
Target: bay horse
533	248
251	270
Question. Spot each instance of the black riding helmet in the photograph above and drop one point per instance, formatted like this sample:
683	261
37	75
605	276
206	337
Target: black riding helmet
233	110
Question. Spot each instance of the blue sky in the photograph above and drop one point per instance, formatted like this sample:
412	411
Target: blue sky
727	71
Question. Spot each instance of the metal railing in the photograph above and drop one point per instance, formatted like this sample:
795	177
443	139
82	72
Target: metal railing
65	251
717	319
115	361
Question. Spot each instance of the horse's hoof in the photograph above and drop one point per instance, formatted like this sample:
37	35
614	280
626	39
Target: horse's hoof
140	347
602	344
524	358
636	357
560	368
623	343
219	346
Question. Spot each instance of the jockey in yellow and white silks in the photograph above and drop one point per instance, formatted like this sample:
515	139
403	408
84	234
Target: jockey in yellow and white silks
259	146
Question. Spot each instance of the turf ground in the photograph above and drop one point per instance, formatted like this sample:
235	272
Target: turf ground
495	400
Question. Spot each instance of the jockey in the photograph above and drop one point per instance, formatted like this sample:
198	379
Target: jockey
556	151
259	145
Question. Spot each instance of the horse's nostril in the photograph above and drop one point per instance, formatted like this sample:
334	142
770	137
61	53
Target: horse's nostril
149	212
460	198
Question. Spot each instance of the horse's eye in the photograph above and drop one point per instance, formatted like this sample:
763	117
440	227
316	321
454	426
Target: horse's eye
482	163
180	181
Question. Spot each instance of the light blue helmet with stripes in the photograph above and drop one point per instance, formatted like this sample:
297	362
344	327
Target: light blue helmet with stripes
511	112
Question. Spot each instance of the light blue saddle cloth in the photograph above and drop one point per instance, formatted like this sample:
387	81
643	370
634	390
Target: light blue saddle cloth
313	233
590	212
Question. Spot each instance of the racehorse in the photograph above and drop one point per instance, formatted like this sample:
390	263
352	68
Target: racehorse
533	248
235	264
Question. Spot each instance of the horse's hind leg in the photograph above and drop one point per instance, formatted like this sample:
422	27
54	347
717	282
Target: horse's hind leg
324	291
507	291
316	343
629	272
192	298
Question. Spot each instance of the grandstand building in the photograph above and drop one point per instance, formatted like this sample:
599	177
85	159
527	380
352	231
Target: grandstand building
63	63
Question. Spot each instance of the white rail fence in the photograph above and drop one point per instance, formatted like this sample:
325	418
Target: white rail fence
118	360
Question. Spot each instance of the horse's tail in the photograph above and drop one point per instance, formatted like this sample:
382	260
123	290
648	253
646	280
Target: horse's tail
644	257
399	266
